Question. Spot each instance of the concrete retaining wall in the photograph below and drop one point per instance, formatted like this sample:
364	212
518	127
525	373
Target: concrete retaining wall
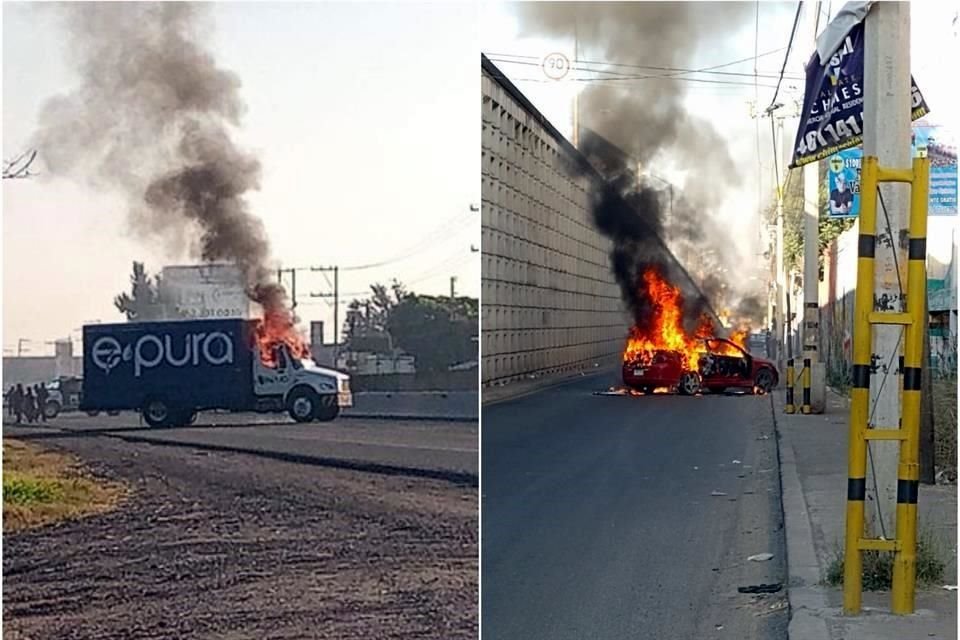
550	303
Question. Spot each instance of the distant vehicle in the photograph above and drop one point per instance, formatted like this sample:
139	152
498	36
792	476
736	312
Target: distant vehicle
64	394
171	370
722	365
757	344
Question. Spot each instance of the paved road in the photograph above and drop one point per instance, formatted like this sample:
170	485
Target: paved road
598	519
432	448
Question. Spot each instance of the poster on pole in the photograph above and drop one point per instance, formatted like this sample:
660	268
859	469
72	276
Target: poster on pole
938	144
928	141
832	116
843	183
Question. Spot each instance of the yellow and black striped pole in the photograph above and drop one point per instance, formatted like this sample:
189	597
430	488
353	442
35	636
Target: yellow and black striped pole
908	471
805	380
860	389
789	407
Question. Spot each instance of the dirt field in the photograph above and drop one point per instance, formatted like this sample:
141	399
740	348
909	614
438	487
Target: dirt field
233	546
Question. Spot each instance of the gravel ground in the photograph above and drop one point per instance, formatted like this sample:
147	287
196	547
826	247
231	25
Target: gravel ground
232	546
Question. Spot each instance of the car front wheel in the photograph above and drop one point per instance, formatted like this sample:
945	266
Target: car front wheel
689	383
764	382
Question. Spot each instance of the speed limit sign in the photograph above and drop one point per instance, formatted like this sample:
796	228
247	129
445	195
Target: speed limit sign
556	66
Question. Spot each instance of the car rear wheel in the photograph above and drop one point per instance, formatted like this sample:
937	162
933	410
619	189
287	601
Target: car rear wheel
51	409
689	383
764	381
157	413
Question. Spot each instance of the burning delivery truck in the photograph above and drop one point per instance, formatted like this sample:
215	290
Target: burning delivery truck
171	370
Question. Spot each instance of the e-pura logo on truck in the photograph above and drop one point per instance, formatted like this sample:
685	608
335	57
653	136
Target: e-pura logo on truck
150	350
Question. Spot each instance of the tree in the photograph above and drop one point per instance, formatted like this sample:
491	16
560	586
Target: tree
437	331
793	201
19	167
367	319
143	302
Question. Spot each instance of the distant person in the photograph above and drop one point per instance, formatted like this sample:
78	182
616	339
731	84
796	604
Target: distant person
8	396
18	400
30	406
841	199
42	395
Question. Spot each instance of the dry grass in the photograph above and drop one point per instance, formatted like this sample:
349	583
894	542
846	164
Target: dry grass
945	425
878	565
42	487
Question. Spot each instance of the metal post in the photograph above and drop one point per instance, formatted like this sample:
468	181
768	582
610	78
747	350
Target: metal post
453	284
886	136
807	375
860	393
789	407
293	289
908	471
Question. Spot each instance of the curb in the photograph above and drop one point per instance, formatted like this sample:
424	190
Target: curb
524	390
804	594
421	418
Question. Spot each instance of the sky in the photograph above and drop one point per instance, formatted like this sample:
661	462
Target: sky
364	117
730	107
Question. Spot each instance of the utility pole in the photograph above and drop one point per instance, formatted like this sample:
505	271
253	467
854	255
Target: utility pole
811	269
453	285
576	95
781	288
336	298
886	135
336	307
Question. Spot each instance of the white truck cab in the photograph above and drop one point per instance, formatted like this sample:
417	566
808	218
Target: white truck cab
307	391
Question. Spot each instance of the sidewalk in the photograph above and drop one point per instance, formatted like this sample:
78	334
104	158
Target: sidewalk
813	457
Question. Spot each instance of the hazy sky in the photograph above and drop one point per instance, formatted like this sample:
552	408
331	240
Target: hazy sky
933	38
364	117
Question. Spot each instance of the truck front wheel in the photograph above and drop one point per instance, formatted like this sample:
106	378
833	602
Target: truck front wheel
303	404
156	412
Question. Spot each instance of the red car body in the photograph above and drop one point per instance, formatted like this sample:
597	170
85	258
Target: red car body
724	365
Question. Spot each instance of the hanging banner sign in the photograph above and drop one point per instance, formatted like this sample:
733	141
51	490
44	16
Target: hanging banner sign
832	117
938	144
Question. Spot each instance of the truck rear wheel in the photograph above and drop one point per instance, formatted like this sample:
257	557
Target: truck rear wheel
328	409
157	413
303	404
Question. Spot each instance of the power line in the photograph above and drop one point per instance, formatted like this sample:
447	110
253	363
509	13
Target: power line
415	249
680	70
786	58
676	70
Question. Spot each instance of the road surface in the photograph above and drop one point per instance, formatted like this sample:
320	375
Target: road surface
431	448
599	519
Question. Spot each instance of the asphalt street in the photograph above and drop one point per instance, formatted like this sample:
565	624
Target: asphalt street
431	448
629	517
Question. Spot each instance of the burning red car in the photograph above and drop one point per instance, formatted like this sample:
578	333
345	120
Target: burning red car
661	353
721	364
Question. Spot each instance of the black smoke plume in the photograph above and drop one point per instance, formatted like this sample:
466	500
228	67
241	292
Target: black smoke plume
629	124
153	118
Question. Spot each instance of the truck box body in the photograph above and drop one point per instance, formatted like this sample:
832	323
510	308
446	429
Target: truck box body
203	364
